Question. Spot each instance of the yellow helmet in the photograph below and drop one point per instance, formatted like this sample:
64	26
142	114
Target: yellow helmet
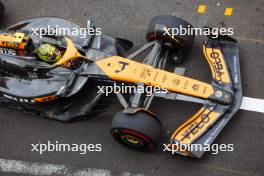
49	53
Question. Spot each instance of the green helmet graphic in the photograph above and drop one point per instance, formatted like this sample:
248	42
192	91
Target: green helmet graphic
49	53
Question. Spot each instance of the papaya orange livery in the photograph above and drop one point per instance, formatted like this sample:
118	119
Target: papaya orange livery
45	99
122	69
15	41
217	64
193	128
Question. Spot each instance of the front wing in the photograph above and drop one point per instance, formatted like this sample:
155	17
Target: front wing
201	129
223	96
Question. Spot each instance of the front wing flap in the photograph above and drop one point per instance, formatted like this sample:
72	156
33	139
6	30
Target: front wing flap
200	130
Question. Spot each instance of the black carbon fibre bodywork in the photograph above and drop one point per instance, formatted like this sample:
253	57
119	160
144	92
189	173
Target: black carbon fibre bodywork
23	78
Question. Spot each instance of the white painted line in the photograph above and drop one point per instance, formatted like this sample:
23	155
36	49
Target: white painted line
252	104
248	104
23	167
44	169
250	39
129	174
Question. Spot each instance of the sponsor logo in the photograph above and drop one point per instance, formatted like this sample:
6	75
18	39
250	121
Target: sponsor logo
9	44
196	126
32	101
21	100
123	66
217	64
11	52
45	99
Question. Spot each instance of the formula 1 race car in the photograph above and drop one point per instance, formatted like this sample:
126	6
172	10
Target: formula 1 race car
68	89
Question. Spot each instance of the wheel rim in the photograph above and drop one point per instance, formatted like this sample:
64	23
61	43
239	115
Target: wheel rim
132	139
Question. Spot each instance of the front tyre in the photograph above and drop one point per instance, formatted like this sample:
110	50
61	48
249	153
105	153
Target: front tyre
139	131
180	44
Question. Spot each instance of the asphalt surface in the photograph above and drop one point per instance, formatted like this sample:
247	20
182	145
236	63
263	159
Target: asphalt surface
128	19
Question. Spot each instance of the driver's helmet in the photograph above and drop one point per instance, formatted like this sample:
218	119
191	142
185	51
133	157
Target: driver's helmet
49	53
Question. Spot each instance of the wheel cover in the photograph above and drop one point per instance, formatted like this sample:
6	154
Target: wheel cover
132	138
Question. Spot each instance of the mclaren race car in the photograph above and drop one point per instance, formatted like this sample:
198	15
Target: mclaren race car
67	90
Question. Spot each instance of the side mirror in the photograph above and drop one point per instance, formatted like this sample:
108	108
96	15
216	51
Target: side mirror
71	53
